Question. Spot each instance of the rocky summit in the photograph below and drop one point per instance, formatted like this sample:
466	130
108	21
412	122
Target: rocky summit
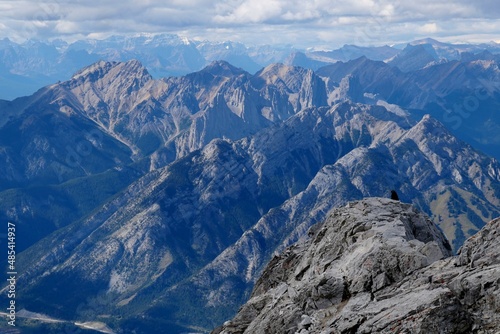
377	266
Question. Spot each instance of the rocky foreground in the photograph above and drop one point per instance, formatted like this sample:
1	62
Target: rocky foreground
377	266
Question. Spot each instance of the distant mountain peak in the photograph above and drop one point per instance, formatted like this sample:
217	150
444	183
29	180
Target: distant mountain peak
223	68
94	68
276	67
427	40
279	71
101	68
415	57
430	125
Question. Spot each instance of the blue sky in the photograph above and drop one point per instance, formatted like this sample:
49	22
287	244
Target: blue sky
302	23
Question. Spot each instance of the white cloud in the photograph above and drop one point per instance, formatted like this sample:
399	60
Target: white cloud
299	22
252	12
429	28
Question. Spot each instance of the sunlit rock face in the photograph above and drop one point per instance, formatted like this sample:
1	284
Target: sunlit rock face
377	266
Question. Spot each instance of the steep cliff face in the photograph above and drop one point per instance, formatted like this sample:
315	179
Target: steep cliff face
377	266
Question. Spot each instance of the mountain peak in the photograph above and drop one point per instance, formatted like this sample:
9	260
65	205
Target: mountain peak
102	68
415	57
278	71
427	40
222	68
429	126
376	266
276	68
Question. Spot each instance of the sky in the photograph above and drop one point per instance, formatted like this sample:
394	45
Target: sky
321	24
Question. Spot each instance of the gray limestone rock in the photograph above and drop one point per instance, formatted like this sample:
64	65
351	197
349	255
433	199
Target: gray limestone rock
377	266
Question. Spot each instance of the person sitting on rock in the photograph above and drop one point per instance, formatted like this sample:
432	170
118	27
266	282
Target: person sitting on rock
394	195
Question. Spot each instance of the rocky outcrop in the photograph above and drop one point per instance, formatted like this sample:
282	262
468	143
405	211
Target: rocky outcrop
377	266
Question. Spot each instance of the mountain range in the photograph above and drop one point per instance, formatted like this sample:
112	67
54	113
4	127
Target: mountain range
27	66
153	205
452	82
